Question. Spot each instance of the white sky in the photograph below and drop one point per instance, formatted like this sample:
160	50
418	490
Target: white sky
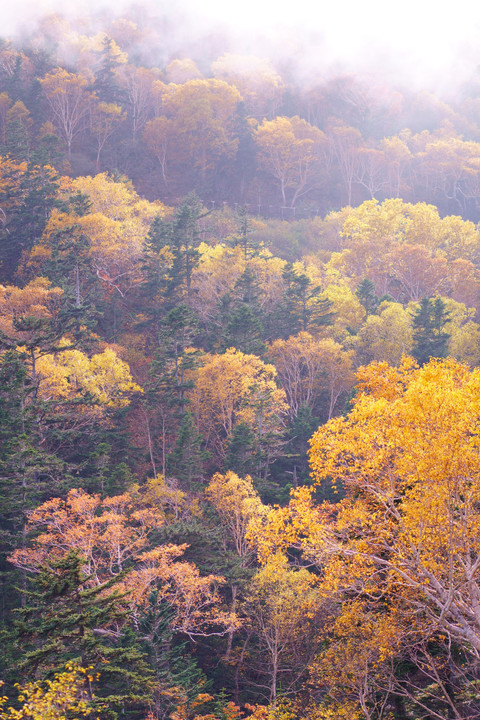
426	40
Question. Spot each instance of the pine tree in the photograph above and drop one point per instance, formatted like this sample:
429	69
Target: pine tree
367	297
430	338
70	267
243	327
29	198
106	84
177	677
66	620
241	236
303	306
240	455
27	468
185	462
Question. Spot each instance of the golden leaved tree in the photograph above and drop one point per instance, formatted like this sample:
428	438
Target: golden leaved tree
397	560
408	456
56	699
307	366
238	388
405	540
238	504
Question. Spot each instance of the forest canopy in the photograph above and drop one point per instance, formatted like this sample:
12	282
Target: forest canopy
239	386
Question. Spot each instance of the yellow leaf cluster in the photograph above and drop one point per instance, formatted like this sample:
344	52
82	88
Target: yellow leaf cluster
232	388
59	699
238	505
104	376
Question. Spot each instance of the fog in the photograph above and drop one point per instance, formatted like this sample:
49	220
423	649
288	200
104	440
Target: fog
421	44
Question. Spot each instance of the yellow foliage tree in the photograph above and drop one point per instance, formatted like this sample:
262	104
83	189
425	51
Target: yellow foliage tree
58	699
409	243
237	503
291	150
307	366
238	388
219	269
386	336
204	113
28	319
115	225
104	376
260	86
407	456
69	101
282	606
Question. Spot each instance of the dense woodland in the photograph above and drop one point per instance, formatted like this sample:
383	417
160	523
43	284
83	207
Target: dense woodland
239	385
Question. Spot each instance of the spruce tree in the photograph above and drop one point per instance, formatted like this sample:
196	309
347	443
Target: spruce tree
243	326
66	619
429	336
303	306
367	297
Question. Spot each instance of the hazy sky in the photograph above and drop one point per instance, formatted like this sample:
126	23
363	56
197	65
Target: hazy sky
426	41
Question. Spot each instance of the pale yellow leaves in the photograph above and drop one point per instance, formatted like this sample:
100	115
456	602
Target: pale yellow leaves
56	699
386	336
291	150
307	366
116	225
70	373
238	504
236	388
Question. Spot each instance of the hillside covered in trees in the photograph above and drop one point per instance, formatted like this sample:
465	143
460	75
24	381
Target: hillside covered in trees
239	386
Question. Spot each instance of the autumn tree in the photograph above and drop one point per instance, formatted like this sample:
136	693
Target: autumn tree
104	121
112	539
69	101
260	86
283	609
29	323
157	136
398	157
236	505
53	397
306	367
387	335
106	222
344	146
204	112
291	151
408	461
236	502
53	700
237	388
136	84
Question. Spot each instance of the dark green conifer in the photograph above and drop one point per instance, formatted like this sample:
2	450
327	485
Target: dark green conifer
304	307
367	297
429	336
65	619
